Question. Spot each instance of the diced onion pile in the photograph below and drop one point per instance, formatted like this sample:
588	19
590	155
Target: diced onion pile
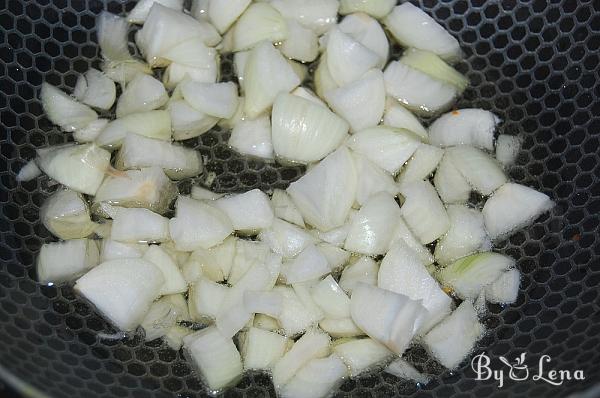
334	276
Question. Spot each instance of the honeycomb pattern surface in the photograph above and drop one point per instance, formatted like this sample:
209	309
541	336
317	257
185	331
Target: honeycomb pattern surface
534	63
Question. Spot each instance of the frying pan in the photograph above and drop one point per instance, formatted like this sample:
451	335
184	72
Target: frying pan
534	63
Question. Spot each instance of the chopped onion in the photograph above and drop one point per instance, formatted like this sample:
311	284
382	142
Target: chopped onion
336	236
95	89
214	263
249	212
375	8
507	149
266	74
248	253
364	270
205	299
348	59
90	132
412	27
198	225
328	295
215	99
386	147
465	236
335	256
325	194
261	349
505	289
362	355
450	183
314	344
404	370
318	15
252	137
113	250
473	127
29	171
416	90
404	234
201	193
396	320
174	336
398	116
259	22
139	13
309	264
372	229
307	94
469	275
371	179
178	162
79	167
285	209
361	103
112	37
266	322
304	131
316	379
301	43
402	272
285	238
187	122
143	93
368	32
151	124
323	79
480	170
216	357
263	302
123	72
300	69
122	290
223	13
454	338
164	315
423	211
295	317
65	111
340	327
66	215
421	165
139	225
174	281
177	73
513	206
199	9
64	261
196	54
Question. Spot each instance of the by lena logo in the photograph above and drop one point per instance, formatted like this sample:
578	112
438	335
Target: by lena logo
519	371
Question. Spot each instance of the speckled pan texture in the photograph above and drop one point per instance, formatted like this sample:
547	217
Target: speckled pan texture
534	63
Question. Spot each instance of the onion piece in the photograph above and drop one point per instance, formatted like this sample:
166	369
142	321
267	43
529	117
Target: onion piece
201	193
368	32
29	171
416	90
223	13
371	179
285	209
454	338
328	295
205	299
249	212
432	65
90	132
325	194
263	302
79	167
174	336
259	22
314	344
335	256
404	234
307	94
480	170
123	72
261	349
375	8
304	131
143	93
362	355
511	207
66	215
64	261
507	149
139	13
215	99
199	9
412	27
248	253
174	281
112	37
267	73
285	238
309	264
318	15
364	270
423	211
473	127
252	137
505	290
450	183
467	276
178	162
336	236
198	225
194	53
465	236
402	272
65	111
361	103
386	147
218	361
113	250
301	43
347	59
177	73
340	327
421	165
372	229
295	317
187	122
398	116
266	322
323	79
122	290
404	370
151	124
95	89
317	379
164	315
214	263
133	225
